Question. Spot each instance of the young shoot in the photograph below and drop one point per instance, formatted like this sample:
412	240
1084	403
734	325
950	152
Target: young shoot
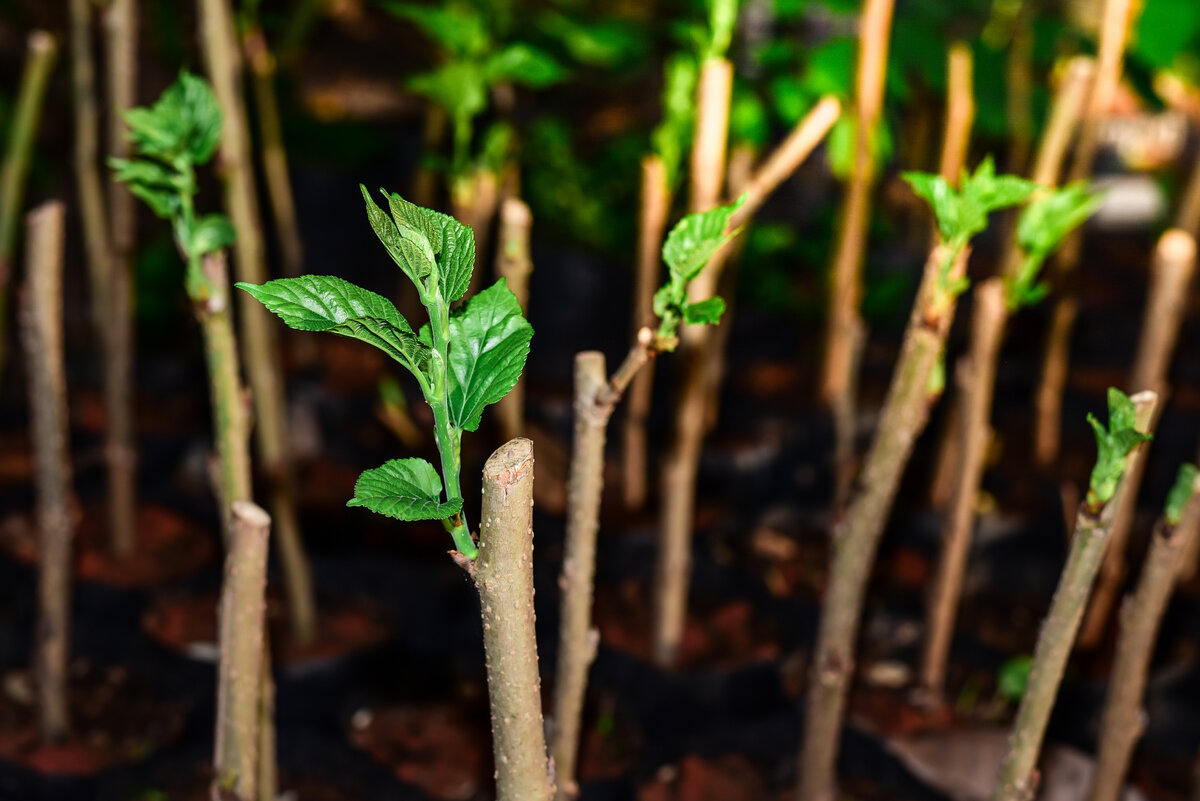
687	251
1043	226
1113	444
962	213
463	360
178	133
474	60
1181	492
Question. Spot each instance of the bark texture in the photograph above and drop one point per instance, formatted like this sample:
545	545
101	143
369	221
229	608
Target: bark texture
504	578
42	328
856	536
976	382
1018	779
577	638
243	655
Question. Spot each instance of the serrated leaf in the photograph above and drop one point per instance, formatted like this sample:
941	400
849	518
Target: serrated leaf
328	303
489	342
704	312
695	238
406	489
164	203
210	234
185	120
522	64
941	197
1181	492
451	242
412	254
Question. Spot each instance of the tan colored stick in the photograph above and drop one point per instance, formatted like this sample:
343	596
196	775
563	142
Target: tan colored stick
960	111
856	537
1019	71
504	578
577	638
117	330
846	333
1118	18
27	115
274	154
976	381
243	642
713	92
652	225
259	342
1123	721
1174	264
514	263
42	327
1018	776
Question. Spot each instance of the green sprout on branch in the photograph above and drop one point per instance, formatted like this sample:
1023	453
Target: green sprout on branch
962	213
1043	225
1180	494
1113	444
463	360
178	133
687	250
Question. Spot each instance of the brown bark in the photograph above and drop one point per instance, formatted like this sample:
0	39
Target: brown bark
242	636
713	92
577	638
652	225
976	381
259	343
1118	18
1018	777
960	111
1174	264
846	333
514	263
26	117
504	578
1123	723
42	329
117	331
856	537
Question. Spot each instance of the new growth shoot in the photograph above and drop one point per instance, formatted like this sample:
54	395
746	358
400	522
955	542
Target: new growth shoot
962	213
1113	444
1043	226
463	360
178	133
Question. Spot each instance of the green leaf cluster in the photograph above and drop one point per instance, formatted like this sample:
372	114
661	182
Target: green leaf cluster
672	137
474	59
170	139
1042	227
1013	677
463	360
1113	444
1181	492
963	212
687	250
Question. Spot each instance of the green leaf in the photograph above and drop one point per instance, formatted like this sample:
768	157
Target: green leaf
695	238
1113	444
456	27
210	234
940	196
599	43
1013	677
460	87
327	303
963	213
525	65
704	312
184	121
672	138
155	184
722	17
1181	492
406	489
449	240
489	342
413	253
1049	217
